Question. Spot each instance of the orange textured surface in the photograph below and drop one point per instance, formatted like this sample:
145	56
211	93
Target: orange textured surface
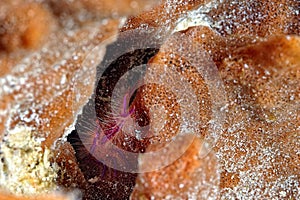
25	26
46	78
262	119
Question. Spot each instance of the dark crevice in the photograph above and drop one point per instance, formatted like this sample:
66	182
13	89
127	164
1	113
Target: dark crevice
111	183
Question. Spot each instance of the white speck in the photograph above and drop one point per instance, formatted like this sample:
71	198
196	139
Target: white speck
282	194
267	72
75	57
63	79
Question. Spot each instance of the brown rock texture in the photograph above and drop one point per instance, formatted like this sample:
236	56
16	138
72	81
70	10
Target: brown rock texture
259	67
224	87
25	26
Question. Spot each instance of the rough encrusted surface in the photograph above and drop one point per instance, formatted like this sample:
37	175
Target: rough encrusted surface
257	155
39	93
48	67
258	151
25	166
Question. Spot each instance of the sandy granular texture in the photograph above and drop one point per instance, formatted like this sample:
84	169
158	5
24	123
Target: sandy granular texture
257	154
47	73
39	94
22	154
261	152
48	62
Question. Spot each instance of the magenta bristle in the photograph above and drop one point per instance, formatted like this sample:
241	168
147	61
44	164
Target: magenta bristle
96	137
